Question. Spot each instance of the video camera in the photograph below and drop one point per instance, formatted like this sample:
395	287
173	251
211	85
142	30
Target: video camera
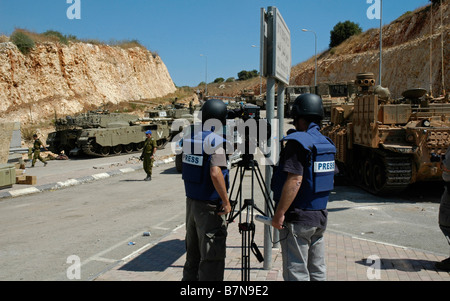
254	130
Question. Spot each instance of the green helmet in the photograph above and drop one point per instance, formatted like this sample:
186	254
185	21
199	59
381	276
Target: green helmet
307	105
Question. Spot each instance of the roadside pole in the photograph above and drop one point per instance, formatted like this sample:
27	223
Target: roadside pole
276	67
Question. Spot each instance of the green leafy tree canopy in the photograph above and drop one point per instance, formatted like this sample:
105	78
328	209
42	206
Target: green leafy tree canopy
342	31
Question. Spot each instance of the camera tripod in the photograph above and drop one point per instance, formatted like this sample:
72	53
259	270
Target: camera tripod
247	225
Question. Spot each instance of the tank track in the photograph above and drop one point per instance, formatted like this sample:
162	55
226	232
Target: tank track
389	173
91	150
88	149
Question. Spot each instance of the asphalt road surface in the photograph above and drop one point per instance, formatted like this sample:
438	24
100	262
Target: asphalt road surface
99	224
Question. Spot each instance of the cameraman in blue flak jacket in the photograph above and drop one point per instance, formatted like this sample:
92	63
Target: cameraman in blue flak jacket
206	181
301	184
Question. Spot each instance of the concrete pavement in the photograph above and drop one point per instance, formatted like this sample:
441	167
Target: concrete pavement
348	258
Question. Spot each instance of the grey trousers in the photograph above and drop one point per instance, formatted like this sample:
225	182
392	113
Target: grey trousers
303	253
206	234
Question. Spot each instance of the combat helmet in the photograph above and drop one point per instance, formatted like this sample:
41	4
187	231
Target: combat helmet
214	109
307	105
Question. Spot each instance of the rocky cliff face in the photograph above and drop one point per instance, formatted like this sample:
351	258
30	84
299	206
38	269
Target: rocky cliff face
406	55
59	79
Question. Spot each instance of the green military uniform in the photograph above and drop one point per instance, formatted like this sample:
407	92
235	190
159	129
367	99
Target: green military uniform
147	153
37	152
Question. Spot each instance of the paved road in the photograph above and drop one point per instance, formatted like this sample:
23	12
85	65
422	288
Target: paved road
94	221
97	220
409	220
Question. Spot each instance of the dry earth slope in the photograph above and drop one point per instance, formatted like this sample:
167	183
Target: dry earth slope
406	54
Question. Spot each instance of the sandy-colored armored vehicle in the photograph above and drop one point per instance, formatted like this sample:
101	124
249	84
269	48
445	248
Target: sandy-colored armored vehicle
335	94
385	145
331	93
102	134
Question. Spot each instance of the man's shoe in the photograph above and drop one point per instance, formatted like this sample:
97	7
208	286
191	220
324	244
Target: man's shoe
444	265
45	164
148	178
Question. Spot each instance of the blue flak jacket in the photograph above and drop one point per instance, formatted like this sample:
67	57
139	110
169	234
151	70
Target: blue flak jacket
318	174
197	151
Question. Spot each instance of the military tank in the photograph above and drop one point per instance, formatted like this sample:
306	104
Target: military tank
385	145
100	133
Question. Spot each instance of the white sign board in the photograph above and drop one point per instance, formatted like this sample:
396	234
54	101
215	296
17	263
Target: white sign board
281	48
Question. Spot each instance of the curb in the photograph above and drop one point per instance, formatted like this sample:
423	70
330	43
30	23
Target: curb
77	181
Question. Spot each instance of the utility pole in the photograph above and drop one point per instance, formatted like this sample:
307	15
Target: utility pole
381	42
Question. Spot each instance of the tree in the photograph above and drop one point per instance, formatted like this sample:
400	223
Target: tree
438	2
342	31
244	75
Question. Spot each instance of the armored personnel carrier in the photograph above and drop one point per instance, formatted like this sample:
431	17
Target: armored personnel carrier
101	134
385	145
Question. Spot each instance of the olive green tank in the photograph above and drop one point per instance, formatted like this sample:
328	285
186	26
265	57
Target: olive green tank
384	145
102	134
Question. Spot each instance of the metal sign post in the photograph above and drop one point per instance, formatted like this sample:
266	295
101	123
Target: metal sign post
276	64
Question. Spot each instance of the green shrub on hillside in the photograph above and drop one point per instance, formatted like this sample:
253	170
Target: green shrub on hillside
52	33
22	41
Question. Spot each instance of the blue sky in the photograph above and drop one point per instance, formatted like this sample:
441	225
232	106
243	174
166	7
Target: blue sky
181	30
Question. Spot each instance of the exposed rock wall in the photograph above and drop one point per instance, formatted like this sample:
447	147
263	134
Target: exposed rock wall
406	55
62	79
6	130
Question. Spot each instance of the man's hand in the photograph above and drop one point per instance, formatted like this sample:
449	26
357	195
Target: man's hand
219	185
290	190
226	208
278	220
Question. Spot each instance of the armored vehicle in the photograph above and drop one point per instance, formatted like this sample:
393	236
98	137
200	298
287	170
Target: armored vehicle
101	134
385	145
335	94
291	93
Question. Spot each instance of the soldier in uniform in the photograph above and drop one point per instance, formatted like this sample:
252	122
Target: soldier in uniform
148	154
36	151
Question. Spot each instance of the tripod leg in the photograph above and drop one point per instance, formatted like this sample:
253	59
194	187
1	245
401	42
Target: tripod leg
245	251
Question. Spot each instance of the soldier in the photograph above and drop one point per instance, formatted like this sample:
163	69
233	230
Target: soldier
148	154
36	150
